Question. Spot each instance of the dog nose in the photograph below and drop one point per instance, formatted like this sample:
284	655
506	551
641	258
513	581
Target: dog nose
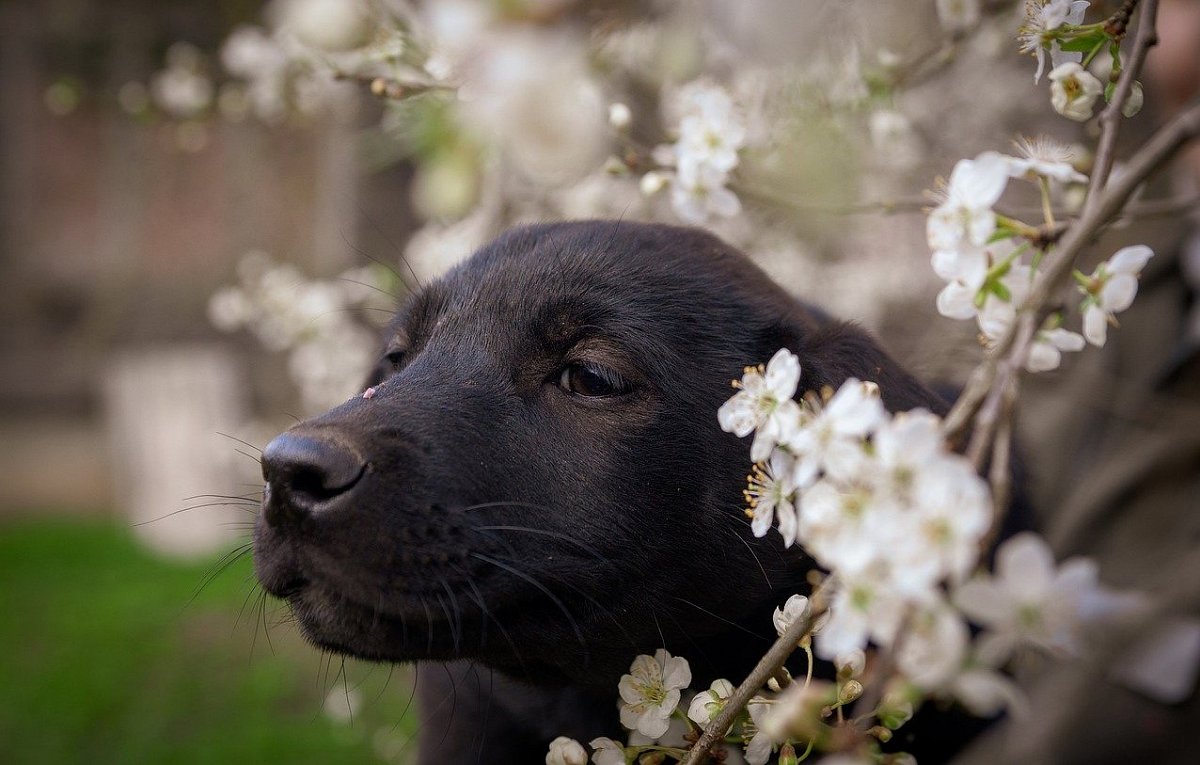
306	474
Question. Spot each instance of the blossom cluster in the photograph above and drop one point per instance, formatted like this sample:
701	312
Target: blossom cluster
1054	28
990	261
710	135
898	521
330	349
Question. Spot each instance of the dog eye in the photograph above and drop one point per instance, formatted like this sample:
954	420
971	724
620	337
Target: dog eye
592	380
394	359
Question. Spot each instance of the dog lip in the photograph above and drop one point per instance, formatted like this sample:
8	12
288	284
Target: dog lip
291	587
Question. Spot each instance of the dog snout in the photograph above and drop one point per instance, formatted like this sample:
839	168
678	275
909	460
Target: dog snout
307	473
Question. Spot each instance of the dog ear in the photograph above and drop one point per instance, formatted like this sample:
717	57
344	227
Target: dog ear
832	351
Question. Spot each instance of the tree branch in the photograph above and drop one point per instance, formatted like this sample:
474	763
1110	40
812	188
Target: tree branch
770	663
1161	147
1110	119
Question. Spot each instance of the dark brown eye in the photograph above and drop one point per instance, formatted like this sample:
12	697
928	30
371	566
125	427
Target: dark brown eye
592	380
394	359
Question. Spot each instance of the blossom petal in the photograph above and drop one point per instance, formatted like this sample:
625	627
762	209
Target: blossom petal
980	181
957	301
758	751
1118	292
984	601
1043	357
1026	565
1095	325
676	672
987	693
1130	260
783	373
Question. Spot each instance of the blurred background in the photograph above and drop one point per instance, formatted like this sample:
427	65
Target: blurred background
207	209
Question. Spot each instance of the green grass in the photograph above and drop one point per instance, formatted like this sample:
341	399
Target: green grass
108	654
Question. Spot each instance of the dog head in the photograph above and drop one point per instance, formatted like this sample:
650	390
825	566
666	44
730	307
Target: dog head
536	478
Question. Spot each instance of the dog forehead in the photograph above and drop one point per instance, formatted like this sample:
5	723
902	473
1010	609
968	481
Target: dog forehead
604	266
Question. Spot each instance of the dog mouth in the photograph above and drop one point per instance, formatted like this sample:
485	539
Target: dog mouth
432	604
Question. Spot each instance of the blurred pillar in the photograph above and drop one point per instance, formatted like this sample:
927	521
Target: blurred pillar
166	409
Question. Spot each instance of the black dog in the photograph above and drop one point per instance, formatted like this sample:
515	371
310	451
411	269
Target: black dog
536	488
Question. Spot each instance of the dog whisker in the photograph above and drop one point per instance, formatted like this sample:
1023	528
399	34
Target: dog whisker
547	533
240	441
545	591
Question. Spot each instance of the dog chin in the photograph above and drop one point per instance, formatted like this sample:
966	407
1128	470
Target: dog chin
333	623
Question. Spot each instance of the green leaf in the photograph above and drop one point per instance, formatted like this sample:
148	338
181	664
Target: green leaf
1085	42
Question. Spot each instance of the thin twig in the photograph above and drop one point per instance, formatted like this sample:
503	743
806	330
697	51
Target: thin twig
1000	472
1110	119
1161	147
770	663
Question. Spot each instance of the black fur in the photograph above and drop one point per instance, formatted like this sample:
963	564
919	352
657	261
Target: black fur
473	511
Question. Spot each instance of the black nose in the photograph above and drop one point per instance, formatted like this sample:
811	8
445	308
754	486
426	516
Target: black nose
307	473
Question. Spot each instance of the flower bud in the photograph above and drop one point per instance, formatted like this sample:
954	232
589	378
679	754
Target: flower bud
653	182
1073	91
787	755
619	116
850	691
1133	104
566	751
850	664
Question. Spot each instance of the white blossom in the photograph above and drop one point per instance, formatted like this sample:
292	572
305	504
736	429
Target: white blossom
999	312
851	663
761	744
904	445
710	135
328	25
986	693
607	752
934	647
796	607
650	693
1042	17
654	182
1030	601
1048	345
566	751
183	90
966	217
698	192
1111	289
839	524
951	512
1133	104
229	309
772	497
534	97
1045	157
832	440
264	61
965	270
619	115
764	404
707	704
865	607
1073	91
